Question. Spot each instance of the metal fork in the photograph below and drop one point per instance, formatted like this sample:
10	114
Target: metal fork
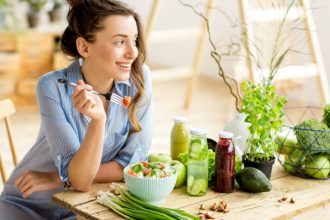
110	96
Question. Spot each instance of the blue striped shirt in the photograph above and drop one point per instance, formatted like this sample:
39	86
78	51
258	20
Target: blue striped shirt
63	129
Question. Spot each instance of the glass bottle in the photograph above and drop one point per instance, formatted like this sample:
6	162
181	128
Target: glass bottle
225	163
197	164
179	137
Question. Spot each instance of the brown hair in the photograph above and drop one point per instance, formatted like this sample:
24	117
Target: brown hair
84	20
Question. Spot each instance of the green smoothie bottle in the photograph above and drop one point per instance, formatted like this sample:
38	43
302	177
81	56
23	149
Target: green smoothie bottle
197	166
179	137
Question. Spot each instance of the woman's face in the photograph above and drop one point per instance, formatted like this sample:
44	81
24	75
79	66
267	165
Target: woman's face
114	50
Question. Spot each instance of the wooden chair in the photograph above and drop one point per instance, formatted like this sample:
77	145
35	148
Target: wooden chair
7	108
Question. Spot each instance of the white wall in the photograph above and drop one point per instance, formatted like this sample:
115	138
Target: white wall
172	15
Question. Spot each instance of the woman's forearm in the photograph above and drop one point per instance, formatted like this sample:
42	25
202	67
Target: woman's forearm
109	172
85	164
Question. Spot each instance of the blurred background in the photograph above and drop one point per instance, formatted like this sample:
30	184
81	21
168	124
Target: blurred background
185	77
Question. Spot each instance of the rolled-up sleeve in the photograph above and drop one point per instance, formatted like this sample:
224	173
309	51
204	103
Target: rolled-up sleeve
60	135
138	144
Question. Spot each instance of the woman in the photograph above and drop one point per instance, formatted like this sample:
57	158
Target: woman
85	138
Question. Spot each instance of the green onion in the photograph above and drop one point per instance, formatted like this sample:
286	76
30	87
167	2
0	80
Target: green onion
130	207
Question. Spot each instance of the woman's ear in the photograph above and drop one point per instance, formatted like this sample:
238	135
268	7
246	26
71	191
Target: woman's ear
82	47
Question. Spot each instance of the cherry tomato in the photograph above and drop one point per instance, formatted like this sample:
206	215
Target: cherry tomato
127	100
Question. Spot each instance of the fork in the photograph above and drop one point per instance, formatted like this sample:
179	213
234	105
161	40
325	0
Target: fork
110	96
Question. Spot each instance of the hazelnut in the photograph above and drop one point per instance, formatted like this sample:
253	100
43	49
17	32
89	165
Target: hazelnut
214	207
209	215
292	200
202	207
220	208
223	203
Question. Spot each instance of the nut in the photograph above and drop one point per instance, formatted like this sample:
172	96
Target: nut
202	207
223	203
226	210
292	200
209	215
220	208
214	207
284	197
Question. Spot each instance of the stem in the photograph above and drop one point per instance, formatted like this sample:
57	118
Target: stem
216	55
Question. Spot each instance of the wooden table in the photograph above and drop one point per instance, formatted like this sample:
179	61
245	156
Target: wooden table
312	200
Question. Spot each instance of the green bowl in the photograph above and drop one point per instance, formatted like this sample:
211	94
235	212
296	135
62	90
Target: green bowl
151	190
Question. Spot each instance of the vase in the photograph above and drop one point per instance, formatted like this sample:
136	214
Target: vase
33	18
55	15
239	128
264	166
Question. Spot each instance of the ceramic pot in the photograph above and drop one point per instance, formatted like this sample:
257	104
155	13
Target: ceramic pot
264	166
33	18
239	128
54	15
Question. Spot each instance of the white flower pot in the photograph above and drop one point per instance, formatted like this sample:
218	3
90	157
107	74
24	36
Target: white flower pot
239	128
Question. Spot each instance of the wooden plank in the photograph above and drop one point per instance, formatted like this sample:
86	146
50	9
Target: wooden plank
307	193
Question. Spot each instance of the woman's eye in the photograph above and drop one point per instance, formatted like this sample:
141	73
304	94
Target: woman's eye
119	43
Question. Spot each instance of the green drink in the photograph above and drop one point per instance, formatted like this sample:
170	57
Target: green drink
197	173
179	137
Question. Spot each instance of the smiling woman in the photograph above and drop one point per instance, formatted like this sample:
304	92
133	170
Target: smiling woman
83	137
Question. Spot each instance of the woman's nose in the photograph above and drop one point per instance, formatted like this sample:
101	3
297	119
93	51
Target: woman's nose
131	51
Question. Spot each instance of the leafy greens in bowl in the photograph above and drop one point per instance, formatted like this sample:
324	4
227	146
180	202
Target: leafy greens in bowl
150	181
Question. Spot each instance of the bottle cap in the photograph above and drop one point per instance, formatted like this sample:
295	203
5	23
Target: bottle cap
197	131
225	134
179	119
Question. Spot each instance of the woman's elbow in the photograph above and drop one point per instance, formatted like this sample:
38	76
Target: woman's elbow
81	187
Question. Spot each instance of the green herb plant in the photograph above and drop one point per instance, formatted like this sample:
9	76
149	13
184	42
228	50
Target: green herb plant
265	115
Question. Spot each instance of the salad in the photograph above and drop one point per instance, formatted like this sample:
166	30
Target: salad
146	169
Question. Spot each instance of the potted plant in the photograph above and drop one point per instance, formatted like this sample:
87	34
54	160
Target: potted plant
261	106
265	115
33	14
55	12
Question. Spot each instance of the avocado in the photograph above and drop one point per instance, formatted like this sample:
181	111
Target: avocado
253	180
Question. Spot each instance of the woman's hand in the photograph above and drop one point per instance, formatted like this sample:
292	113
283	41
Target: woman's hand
33	181
88	103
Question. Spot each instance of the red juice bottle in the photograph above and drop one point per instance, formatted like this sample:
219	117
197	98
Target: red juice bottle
225	163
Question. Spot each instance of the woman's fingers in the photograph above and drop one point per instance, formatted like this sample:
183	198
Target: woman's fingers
21	181
31	189
81	86
83	100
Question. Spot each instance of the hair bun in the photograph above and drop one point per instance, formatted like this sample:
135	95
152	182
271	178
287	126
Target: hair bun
74	2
